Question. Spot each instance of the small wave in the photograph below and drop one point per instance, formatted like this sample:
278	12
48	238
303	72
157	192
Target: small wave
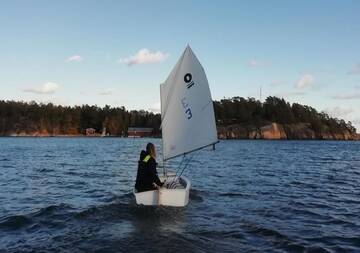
220	234
112	197
306	212
338	221
120	207
110	161
232	194
304	184
195	195
308	204
45	215
68	164
268	233
15	222
351	240
49	156
125	197
52	209
7	167
199	192
329	158
262	231
280	240
44	170
124	208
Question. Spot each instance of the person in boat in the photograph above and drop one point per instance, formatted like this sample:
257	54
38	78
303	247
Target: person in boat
147	178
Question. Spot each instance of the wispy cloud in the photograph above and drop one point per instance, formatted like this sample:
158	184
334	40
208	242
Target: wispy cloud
306	80
338	112
347	96
144	56
155	108
356	121
291	94
46	88
355	70
253	63
107	92
75	58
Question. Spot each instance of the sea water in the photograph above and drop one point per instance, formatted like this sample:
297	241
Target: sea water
75	195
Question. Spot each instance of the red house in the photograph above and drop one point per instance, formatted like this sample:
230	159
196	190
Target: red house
90	131
137	132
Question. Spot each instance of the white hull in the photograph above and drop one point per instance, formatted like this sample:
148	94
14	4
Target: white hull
166	197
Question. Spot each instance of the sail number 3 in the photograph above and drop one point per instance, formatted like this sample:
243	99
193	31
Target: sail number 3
189	83
187	108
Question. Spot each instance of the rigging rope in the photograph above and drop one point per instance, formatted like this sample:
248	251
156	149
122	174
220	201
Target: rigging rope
174	181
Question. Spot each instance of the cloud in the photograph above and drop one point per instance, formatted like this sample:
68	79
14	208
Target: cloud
347	114
46	88
306	80
347	96
291	94
155	108
76	58
107	92
338	112
257	63
356	121
355	70
144	56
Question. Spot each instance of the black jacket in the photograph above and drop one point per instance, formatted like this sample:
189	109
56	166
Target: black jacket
146	174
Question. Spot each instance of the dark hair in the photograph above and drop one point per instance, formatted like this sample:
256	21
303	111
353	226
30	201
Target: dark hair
149	148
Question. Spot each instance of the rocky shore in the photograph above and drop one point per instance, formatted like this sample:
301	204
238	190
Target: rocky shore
272	131
275	131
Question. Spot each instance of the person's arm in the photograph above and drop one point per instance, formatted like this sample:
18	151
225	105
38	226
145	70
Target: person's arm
154	175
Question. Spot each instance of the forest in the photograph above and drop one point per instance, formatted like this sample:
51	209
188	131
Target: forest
49	119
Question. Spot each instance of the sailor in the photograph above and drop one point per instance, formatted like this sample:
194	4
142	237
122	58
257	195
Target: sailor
147	178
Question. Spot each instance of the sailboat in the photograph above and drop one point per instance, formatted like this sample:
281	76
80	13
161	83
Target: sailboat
187	124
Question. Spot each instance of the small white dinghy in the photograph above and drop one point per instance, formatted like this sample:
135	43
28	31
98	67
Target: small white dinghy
187	123
176	196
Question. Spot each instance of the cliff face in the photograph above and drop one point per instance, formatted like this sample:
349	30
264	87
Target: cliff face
271	131
275	131
300	131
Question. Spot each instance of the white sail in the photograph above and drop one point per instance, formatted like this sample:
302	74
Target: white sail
187	113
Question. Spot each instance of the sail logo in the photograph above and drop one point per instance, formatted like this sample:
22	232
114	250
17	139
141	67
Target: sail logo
187	108
188	80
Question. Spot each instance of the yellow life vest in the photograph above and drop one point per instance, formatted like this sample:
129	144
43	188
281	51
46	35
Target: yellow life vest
146	159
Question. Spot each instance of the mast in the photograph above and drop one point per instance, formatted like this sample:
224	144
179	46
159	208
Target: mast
162	138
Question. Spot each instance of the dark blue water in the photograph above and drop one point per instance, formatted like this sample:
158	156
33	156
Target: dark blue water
74	195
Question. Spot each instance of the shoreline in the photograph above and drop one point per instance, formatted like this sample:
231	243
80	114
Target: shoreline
156	137
269	131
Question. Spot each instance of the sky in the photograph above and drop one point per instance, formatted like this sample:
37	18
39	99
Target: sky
118	52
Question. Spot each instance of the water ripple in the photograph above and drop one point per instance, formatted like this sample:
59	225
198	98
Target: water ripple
74	195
